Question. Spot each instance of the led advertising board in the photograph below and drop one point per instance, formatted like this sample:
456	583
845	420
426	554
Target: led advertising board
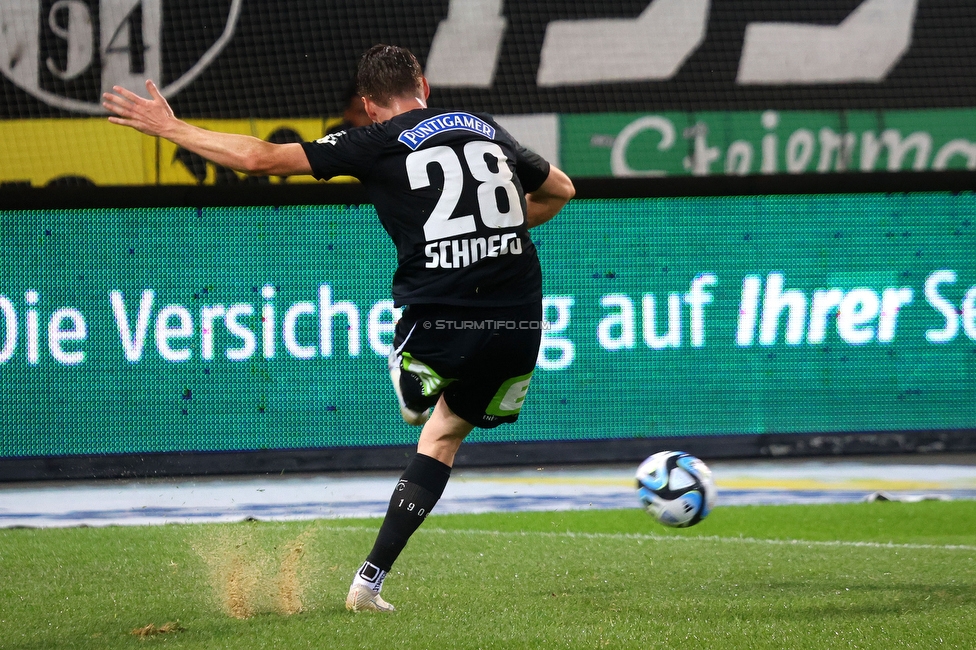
143	330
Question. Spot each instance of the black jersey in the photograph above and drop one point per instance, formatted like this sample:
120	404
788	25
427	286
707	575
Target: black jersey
449	188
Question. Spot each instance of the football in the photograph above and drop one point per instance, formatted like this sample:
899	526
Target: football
675	488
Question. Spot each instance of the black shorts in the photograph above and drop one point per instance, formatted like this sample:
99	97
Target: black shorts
480	358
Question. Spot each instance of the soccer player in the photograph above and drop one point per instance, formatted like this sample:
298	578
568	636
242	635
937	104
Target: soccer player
354	113
457	194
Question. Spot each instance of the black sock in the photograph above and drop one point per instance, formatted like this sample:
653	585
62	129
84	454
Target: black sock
420	487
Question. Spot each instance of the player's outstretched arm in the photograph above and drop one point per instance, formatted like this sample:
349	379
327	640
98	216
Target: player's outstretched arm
241	152
544	203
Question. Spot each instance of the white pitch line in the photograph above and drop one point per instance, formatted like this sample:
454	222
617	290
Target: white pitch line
668	538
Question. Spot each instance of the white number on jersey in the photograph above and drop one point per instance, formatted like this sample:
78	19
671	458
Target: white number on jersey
440	224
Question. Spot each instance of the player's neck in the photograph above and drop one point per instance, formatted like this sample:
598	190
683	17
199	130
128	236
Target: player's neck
398	106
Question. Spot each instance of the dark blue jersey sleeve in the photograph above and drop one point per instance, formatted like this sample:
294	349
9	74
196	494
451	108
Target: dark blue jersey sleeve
531	169
346	153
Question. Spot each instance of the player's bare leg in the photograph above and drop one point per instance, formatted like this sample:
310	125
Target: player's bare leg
413	498
444	433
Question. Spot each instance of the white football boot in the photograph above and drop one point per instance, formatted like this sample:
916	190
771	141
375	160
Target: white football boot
363	599
409	416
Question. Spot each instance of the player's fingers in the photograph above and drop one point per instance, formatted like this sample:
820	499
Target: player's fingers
115	101
128	94
118	110
153	90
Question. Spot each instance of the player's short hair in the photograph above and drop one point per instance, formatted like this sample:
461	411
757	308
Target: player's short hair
386	72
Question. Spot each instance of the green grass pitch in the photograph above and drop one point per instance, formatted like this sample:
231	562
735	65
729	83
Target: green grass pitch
878	575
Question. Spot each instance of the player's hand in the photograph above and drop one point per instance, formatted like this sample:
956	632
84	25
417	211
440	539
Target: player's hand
149	116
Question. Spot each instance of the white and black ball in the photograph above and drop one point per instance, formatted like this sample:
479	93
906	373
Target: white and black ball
675	488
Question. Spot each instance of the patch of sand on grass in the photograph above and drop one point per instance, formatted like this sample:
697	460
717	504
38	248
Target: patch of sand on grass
152	630
249	578
235	569
290	586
